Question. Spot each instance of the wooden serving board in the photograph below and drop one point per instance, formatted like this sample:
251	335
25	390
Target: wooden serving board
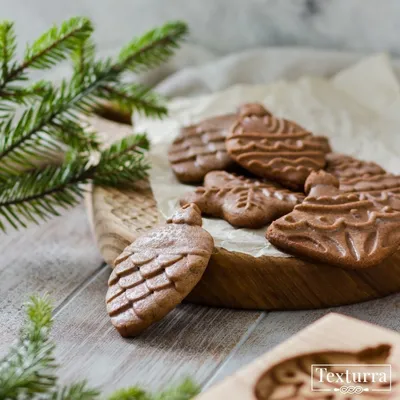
335	339
233	279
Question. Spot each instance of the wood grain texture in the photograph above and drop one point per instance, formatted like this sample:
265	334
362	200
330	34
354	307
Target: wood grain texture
191	340
275	327
238	280
54	258
334	332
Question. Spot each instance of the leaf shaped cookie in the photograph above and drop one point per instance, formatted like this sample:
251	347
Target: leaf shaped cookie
201	148
292	379
243	202
275	148
157	271
343	229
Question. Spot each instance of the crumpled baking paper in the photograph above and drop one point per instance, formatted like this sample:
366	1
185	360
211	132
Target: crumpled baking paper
358	109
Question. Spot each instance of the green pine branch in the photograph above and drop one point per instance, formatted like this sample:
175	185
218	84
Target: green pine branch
28	371
33	184
136	97
8	46
52	47
29	366
40	193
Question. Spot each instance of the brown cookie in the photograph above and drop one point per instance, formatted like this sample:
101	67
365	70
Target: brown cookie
157	271
275	148
243	202
373	183
342	229
201	148
347	167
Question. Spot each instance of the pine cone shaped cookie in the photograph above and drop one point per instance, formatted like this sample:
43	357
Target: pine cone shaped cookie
275	148
243	202
201	148
157	271
342	229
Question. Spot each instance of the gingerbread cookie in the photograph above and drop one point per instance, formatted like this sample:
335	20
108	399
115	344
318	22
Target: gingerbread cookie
201	148
243	202
373	183
275	148
157	271
347	167
342	229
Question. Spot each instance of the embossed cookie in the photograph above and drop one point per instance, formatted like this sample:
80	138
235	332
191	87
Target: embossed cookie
275	148
157	271
201	148
342	229
373	183
243	202
347	167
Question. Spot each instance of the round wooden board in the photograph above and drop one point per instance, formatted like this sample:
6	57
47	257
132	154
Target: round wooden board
238	280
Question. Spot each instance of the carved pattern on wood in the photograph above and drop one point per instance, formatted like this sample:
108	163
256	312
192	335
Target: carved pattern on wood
243	202
291	379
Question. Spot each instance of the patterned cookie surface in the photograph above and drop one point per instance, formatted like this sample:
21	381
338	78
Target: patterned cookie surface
296	379
347	167
243	202
373	183
343	229
157	271
201	148
275	148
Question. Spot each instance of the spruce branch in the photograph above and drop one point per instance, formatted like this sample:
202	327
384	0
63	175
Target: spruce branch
136	97
83	57
153	48
52	47
33	186
8	47
38	194
28	370
76	391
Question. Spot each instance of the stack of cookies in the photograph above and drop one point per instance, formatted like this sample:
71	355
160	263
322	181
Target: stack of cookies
256	170
259	170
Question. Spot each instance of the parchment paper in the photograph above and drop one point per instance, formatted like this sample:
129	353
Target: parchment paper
358	109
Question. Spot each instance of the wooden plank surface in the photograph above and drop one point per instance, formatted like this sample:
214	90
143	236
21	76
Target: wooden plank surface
336	338
190	341
275	327
54	258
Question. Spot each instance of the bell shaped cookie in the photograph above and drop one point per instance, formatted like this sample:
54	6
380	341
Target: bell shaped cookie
201	148
342	229
275	148
157	271
243	202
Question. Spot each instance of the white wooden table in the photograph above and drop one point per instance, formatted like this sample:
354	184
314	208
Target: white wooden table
60	257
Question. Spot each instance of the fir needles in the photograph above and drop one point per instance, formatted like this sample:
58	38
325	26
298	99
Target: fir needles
48	125
28	371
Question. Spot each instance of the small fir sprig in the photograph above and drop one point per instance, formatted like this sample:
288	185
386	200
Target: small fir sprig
33	185
28	371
